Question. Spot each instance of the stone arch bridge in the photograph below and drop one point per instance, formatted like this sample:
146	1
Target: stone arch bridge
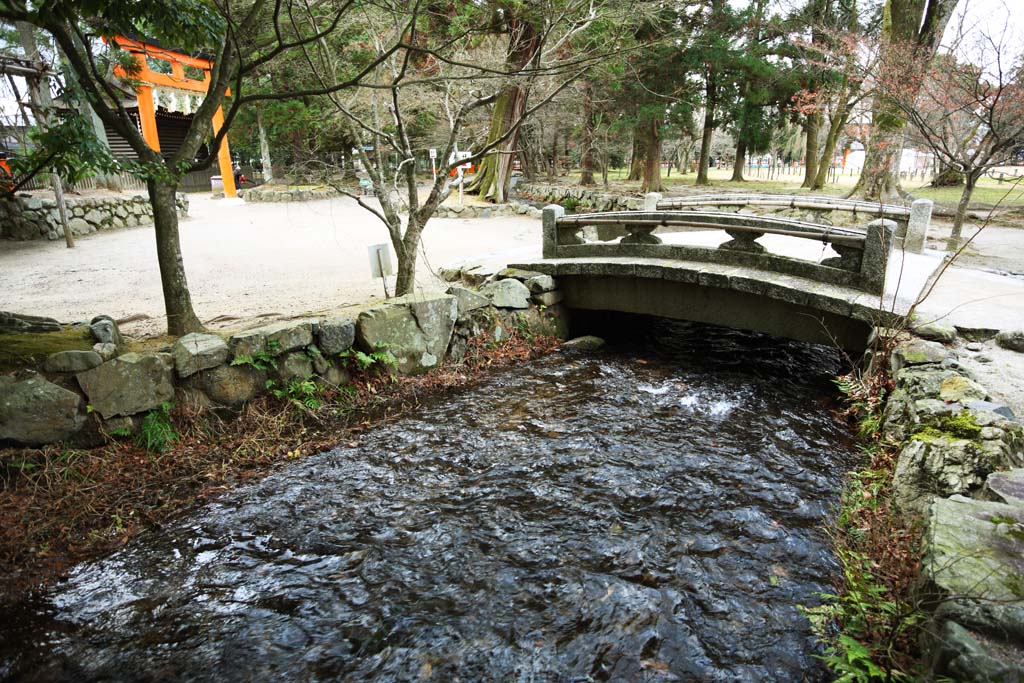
780	276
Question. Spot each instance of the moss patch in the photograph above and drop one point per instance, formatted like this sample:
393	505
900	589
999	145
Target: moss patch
27	349
959	426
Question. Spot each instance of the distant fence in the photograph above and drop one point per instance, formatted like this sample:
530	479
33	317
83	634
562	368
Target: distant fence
195	181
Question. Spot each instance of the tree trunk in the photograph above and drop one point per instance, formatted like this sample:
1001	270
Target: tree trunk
264	149
553	166
406	250
639	156
829	150
494	176
955	238
812	128
741	158
181	318
588	151
710	103
652	165
877	181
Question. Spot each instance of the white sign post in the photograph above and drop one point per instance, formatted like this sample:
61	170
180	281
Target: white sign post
380	264
433	164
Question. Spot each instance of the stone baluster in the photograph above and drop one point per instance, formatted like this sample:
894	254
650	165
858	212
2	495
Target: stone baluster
743	241
640	234
651	200
917	227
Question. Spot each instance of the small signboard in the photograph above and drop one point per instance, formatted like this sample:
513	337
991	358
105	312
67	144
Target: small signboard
433	152
380	260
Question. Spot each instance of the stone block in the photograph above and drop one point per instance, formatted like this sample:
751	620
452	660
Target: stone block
276	338
540	284
105	331
34	411
468	300
510	293
548	298
336	335
129	384
195	352
415	329
960	389
232	385
72	361
917	352
294	366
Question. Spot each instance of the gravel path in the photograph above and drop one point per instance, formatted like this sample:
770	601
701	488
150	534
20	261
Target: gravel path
242	261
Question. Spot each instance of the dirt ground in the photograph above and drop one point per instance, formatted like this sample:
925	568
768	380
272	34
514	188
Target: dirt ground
248	262
242	261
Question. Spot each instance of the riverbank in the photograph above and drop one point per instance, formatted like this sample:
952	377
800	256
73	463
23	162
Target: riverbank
928	532
63	505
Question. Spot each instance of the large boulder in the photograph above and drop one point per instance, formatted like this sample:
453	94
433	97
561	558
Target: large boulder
129	384
508	293
35	412
274	339
415	329
336	335
195	352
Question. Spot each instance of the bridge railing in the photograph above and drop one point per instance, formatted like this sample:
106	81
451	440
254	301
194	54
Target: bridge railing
860	264
912	222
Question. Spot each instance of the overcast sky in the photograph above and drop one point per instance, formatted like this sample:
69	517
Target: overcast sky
990	16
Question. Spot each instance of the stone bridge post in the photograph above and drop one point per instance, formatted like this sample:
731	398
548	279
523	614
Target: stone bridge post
651	200
877	249
549	218
917	228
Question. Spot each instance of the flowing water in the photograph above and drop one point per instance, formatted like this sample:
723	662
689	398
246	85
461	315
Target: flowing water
653	512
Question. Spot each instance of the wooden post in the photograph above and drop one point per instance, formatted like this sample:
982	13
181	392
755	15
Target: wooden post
227	172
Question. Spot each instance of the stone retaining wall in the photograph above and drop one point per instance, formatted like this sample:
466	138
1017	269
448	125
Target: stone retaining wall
961	467
83	397
487	211
281	194
31	218
579	198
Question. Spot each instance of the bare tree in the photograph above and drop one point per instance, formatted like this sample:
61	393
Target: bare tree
969	110
456	77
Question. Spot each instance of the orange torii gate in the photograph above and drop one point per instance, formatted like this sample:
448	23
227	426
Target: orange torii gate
176	80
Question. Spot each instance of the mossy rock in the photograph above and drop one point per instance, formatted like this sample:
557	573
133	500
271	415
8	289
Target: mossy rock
29	349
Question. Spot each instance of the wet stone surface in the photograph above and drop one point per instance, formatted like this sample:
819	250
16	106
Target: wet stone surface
647	514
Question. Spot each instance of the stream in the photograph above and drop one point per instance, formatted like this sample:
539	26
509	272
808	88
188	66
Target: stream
651	512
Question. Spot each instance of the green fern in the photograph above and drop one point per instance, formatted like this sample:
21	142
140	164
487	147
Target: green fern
156	434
